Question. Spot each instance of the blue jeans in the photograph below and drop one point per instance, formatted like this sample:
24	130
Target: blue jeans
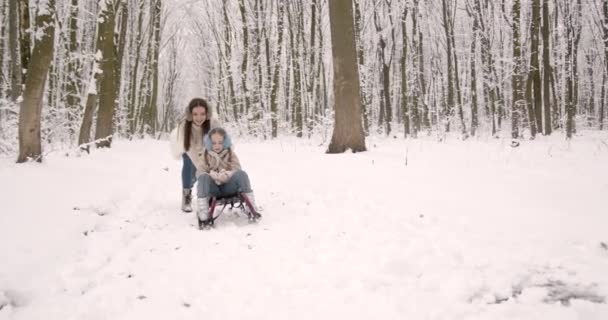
239	182
188	172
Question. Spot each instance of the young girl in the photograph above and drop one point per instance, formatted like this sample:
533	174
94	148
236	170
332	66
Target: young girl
187	143
219	174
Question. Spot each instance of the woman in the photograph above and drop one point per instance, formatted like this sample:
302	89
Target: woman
187	144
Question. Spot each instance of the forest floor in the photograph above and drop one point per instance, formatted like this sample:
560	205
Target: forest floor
410	229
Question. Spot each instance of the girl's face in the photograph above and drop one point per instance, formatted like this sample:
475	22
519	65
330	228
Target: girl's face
199	115
217	142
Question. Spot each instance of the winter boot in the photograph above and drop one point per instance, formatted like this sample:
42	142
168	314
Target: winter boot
252	209
202	212
187	200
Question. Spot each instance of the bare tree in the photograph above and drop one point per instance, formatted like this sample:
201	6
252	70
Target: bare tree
31	107
534	73
569	72
133	109
13	42
516	78
245	62
361	62
404	79
386	110
274	95
107	83
452	61
3	23
473	66
348	131
25	40
547	71
73	77
605	39
151	107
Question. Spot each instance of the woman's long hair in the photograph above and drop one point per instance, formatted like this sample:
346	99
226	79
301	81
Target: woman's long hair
196	102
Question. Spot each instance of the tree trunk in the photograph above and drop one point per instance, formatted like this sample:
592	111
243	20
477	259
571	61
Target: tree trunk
15	58
24	34
415	90
295	46
591	108
489	86
227	62
463	126
535	64
132	102
87	119
547	68
152	119
577	26
361	61
31	107
386	111
603	103
107	89
516	77
451	100
244	64
274	94
73	81
422	82
404	106
474	106
122	42
605	38
4	12
348	131
530	105
569	72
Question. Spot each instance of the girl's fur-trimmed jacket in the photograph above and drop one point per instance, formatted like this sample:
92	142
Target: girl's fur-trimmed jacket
220	166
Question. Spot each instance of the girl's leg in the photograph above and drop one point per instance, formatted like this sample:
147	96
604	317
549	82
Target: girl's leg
238	183
206	189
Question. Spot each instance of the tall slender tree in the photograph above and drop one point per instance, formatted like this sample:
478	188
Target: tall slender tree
605	39
107	84
274	94
15	58
516	77
547	71
25	40
535	64
348	130
30	146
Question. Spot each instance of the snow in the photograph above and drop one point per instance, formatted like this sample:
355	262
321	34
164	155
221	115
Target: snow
466	230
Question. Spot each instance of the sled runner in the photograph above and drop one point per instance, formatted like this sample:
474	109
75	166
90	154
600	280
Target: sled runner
238	201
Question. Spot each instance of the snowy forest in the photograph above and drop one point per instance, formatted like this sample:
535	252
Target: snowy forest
99	69
481	193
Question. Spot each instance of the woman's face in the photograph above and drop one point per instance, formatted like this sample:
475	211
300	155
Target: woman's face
199	115
217	142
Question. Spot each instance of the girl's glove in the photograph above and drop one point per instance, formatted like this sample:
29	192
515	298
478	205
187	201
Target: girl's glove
223	176
215	176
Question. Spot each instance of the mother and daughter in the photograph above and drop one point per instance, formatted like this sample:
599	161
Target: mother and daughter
207	155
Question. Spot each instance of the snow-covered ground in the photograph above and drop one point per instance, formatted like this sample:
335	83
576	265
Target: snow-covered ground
411	229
